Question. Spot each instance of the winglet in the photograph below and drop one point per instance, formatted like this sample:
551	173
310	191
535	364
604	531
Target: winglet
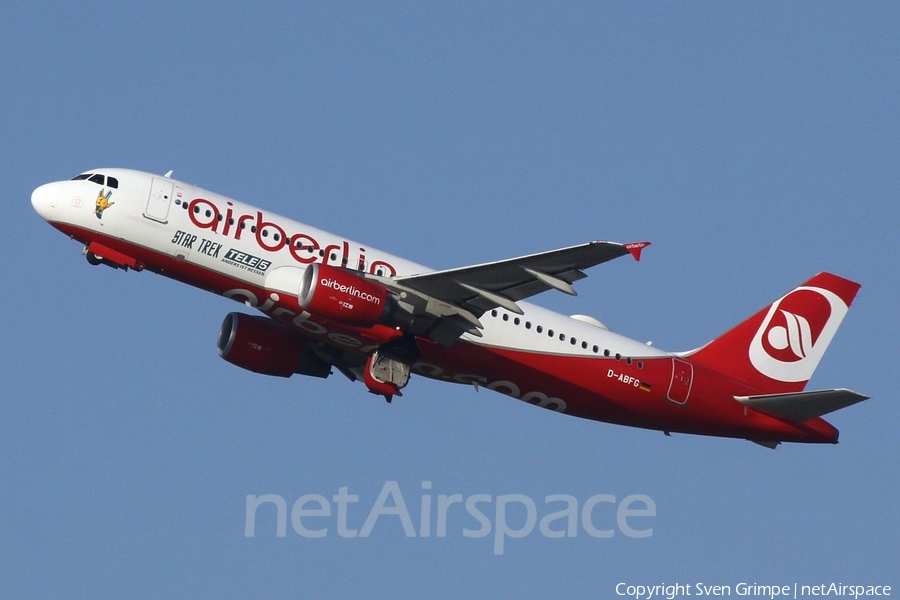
635	249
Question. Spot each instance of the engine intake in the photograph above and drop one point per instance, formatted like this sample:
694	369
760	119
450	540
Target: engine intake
262	345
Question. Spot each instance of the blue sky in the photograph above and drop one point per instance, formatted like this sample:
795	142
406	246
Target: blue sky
754	145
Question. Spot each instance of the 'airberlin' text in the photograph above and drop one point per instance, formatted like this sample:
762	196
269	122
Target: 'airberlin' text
272	237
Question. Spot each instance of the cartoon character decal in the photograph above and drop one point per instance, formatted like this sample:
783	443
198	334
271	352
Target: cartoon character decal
102	203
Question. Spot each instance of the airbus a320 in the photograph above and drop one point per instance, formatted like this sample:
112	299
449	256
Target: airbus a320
328	303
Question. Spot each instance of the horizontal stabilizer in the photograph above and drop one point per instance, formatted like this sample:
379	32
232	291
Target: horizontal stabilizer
802	406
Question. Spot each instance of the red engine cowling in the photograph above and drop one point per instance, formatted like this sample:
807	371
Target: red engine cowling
339	295
262	345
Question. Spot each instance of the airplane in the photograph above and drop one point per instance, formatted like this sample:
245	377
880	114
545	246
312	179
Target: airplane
328	303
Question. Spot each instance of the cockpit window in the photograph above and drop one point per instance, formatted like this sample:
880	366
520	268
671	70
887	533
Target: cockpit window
98	178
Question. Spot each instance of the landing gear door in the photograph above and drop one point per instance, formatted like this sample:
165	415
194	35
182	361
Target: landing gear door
160	200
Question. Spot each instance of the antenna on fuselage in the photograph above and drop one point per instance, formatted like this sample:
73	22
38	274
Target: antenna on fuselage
168	174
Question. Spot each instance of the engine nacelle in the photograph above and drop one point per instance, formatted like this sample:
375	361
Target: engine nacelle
262	345
339	295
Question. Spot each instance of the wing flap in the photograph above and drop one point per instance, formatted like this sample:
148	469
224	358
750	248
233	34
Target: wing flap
802	406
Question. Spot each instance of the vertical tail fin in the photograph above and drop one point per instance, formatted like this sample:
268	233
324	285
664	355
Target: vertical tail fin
777	349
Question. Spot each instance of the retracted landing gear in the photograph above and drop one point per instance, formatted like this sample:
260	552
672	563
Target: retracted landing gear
387	369
385	375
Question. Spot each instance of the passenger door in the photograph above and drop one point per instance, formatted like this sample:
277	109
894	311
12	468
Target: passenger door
160	200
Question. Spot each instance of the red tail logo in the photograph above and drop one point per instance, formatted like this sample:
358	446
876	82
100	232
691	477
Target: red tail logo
792	332
795	332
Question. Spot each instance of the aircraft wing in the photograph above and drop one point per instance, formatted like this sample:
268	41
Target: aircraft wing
455	298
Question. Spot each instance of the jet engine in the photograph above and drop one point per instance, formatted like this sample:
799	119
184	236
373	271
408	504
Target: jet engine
343	297
262	345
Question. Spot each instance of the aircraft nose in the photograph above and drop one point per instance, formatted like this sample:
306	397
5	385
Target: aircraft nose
44	200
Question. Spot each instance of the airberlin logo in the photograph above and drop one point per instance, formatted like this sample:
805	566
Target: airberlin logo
350	290
790	335
795	332
790	340
270	236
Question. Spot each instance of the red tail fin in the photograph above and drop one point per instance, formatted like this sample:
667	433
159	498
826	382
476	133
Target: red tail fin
777	349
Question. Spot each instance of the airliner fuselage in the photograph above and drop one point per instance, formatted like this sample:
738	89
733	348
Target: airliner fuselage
329	302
